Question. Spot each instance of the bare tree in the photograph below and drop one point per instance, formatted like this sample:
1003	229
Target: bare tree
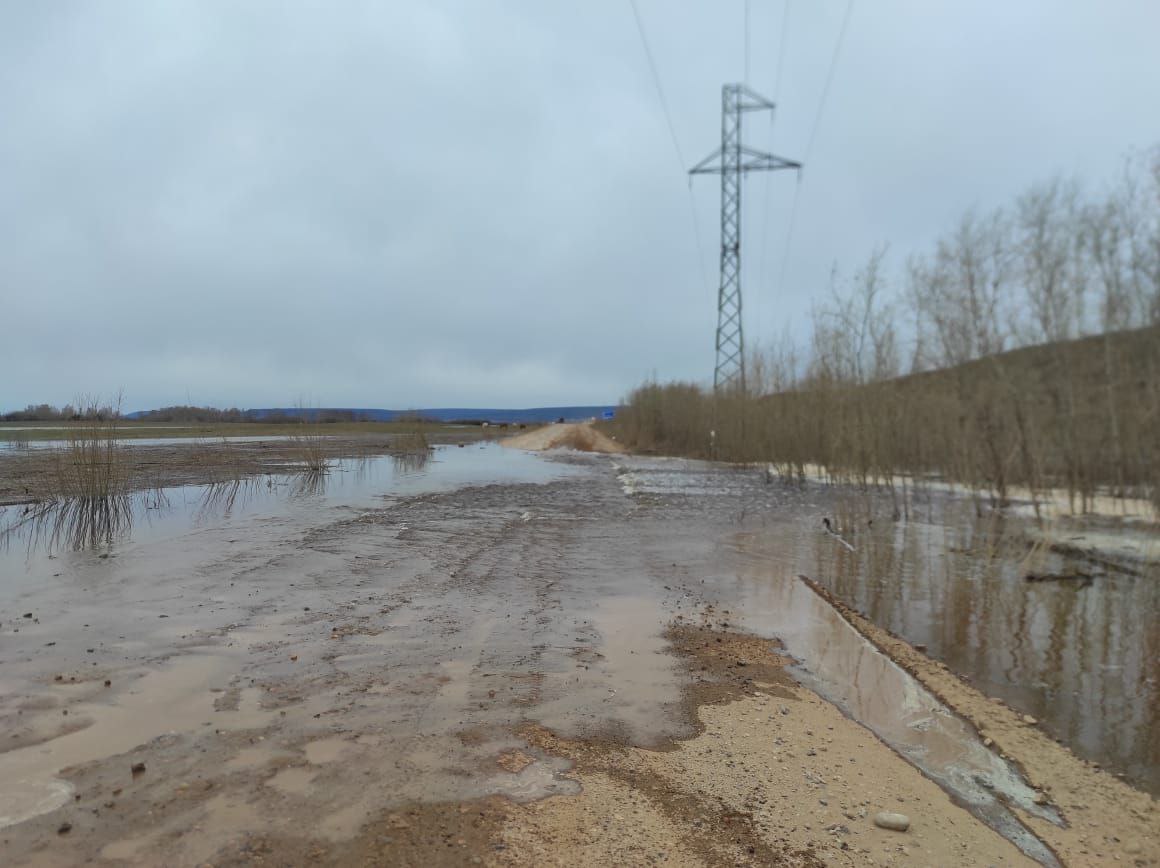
961	293
1048	244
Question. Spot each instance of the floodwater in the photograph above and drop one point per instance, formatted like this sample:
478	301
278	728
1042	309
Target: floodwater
29	535
407	615
1081	655
13	446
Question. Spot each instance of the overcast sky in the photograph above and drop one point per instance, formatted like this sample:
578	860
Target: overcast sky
479	203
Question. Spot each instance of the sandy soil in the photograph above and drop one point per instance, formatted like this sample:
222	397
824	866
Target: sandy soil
776	776
581	436
502	674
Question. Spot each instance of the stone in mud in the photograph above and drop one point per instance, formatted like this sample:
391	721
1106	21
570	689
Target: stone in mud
1029	720
137	769
892	821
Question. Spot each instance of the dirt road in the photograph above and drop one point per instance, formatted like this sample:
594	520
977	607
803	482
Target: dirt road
495	659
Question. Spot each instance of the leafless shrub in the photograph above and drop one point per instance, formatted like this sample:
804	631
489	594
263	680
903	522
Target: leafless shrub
1035	363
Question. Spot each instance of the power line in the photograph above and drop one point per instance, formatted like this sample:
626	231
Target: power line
673	136
768	179
829	77
781	48
746	79
657	82
813	136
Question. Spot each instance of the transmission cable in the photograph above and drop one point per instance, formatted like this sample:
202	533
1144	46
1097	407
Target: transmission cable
829	78
657	82
672	135
813	137
769	175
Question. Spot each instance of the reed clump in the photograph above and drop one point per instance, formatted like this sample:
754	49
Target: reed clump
412	437
91	465
310	442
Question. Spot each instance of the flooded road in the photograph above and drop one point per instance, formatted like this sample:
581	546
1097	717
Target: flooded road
1083	656
254	646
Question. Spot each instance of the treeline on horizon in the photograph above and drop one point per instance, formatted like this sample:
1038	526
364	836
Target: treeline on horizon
1022	350
67	413
190	414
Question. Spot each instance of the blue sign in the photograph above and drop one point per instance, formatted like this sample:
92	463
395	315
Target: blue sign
608	414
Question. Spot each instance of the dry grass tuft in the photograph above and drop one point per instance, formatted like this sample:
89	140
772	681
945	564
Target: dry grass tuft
91	465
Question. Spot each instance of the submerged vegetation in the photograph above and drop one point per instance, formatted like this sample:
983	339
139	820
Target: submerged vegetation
1032	361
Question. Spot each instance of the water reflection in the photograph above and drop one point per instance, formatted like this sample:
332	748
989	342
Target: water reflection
1081	655
411	462
75	524
222	498
43	529
94	523
311	483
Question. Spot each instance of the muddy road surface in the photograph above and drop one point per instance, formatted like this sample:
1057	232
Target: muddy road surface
498	658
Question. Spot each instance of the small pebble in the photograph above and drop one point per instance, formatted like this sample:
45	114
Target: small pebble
1028	719
889	820
64	828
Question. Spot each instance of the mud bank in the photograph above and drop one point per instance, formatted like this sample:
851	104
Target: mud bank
29	476
491	658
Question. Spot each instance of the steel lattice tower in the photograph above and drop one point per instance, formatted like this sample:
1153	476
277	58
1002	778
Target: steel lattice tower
731	161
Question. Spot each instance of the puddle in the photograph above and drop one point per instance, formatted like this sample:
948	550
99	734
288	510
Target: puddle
536	780
620	678
292	781
325	750
174	699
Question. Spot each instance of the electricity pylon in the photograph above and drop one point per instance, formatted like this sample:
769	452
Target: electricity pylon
731	161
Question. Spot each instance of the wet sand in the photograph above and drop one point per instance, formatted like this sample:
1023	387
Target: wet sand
494	659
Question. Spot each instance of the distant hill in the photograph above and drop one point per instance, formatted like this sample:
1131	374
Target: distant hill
437	414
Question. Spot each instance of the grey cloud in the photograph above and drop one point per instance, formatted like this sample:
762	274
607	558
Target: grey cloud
477	203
